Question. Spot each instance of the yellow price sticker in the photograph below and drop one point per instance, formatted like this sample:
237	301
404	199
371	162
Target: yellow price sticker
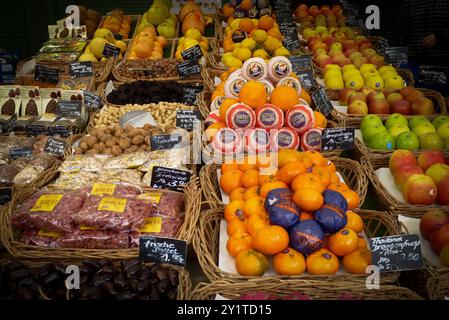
47	233
99	189
112	204
154	197
47	202
152	225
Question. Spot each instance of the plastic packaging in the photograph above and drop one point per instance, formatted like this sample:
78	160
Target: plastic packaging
7	174
127	161
86	162
34	169
165	203
94	239
158	226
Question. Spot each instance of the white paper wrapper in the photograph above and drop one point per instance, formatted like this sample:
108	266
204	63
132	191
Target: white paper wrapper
387	180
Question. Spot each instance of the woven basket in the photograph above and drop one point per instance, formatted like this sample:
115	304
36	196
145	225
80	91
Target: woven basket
315	291
438	287
351	171
207	239
18	249
388	201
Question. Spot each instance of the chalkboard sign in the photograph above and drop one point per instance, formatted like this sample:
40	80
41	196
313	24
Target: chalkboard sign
382	45
163	250
44	74
81	69
69	108
55	146
185	119
322	101
172	179
306	79
188	69
396	253
18	152
433	75
91	100
110	51
288	29
291	42
284	15
301	63
5	196
165	141
338	139
192	53
397	55
189	95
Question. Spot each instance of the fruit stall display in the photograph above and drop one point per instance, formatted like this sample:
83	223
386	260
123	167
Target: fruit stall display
324	16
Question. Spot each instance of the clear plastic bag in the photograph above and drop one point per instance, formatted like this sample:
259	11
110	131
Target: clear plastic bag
127	161
34	169
165	227
116	190
87	162
94	239
7	174
165	203
120	175
20	163
75	180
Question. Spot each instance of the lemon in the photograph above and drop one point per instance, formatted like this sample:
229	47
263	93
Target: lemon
182	40
190	43
226	57
235	52
234	62
243	54
260	53
282	51
260	36
249	43
235	24
193	34
255	23
271	44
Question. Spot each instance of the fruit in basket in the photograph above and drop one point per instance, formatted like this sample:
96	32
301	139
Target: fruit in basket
370	121
270	240
401	158
290	171
238	243
254	206
332	216
379	106
256	222
443	191
306	237
392	97
431	221
105	34
431	141
157	13
322	262
370	131
444	256
396	119
284	213
357	262
423	106
96	47
231	180
439	238
420	189
358	107
167	30
443	130
236	226
289	262
423	128
401	106
439	120
253	94
428	158
343	242
308	199
234	210
402	174
398	129
355	222
88	57
251	263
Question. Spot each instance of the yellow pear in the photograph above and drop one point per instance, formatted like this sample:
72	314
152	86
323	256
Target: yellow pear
96	46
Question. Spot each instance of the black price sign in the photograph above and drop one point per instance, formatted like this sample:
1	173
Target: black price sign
81	69
172	179
192	53
110	51
397	55
55	146
188	69
288	29
165	141
69	108
382	45
396	253
284	15
189	95
44	74
301	63
19	152
5	196
163	250
306	79
433	75
91	100
186	119
338	139
322	101
291	42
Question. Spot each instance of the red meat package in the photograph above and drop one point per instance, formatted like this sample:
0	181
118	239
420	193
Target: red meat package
158	226
41	238
88	238
119	190
50	210
165	203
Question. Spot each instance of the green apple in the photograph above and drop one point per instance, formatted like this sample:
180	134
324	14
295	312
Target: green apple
438	121
407	141
369	121
382	141
414	121
397	129
437	172
431	141
423	128
395	119
372	131
443	130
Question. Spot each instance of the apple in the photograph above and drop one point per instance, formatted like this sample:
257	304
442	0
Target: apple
370	121
369	53
415	95
344	96
439	238
405	92
354	81
401	106
394	82
407	141
419	189
379	106
392	97
439	120
443	130
415	121
401	158
376	95
403	173
377	60
375	81
382	141
428	158
397	129
423	106
366	91
337	46
366	46
437	172
360	61
395	119
372	131
443	191
444	256
356	55
431	221
431	141
358	107
423	128
357	96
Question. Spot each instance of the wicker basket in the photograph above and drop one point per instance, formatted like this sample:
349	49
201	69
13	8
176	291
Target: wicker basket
347	120
207	239
388	201
314	291
438	287
8	236
351	171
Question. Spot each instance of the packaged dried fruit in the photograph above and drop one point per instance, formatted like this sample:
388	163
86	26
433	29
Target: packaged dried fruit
35	168
127	161
165	203
165	227
110	189
87	162
120	175
40	238
89	238
169	158
75	180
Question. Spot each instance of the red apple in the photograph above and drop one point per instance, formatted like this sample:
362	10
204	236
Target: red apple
443	191
415	95
379	106
401	106
440	238
377	60
405	92
344	96
376	95
423	106
366	91
401	158
392	97
329	41
419	189
431	221
428	158
360	61
358	107
365	46
356	96
402	174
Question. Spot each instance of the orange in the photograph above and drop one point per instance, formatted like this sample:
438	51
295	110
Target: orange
228	10
231	180
357	261
228	166
227	103
253	93
316	158
362	244
289	262
228	45
343	242
251	263
238	243
250	178
306	96
289	172
308	199
284	97
323	174
355	222
248	163
234	210
267	178
306	216
212	130
307	180
338	186
331	166
266	22
286	156
254	206
246	4
270	240
305	160
275	33
352	198
335	178
267	187
252	192
236	226
322	262
246	25
320	120
237	194
255	223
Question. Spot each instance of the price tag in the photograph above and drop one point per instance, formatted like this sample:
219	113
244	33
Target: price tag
306	79
396	253
44	74
5	196
338	139
189	95
100	189
188	69
163	250
288	29
19	152
81	69
69	108
47	202
55	146
291	42
322	101
192	53
397	55
186	119
165	141
110	51
301	63
112	204
91	100
433	75
172	179
152	225
382	45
